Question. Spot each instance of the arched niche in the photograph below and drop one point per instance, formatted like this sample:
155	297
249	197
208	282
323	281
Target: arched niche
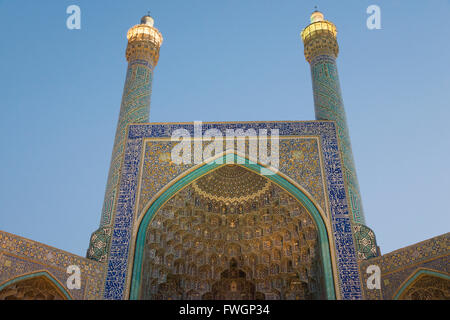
425	284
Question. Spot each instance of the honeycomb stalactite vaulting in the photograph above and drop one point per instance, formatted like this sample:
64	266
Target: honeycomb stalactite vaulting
265	248
38	288
231	189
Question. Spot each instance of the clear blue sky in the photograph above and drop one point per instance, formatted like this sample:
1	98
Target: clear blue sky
220	61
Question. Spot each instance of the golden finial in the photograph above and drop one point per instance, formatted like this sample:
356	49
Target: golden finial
316	15
148	20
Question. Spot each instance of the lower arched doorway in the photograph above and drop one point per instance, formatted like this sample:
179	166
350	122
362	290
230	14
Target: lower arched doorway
232	220
425	285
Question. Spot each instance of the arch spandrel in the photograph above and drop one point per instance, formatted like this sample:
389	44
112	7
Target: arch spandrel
300	160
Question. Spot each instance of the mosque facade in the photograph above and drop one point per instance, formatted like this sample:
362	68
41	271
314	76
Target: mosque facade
229	210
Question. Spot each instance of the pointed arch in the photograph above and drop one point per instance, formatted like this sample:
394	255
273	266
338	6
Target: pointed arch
417	275
39	274
276	177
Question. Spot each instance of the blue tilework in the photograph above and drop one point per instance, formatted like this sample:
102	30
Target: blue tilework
347	265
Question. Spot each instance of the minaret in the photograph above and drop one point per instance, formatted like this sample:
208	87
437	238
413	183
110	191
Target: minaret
321	51
142	54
